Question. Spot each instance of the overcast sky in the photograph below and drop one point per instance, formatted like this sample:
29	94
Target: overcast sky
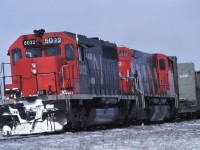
171	27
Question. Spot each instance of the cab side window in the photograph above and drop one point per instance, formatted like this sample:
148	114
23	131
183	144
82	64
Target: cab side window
162	64
69	52
16	54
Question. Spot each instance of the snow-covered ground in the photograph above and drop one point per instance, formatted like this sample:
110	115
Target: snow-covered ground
168	136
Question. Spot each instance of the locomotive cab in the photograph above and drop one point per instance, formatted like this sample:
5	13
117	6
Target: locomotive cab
44	61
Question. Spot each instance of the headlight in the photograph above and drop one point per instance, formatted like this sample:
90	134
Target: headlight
42	92
34	71
33	65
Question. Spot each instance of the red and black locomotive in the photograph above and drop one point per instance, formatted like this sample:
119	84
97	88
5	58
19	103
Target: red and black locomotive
62	80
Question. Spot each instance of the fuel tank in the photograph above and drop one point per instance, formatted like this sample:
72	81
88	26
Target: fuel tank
101	116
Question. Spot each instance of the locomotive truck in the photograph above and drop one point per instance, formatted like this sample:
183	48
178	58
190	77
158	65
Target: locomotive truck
63	80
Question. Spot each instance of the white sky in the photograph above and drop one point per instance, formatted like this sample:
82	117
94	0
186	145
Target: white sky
171	27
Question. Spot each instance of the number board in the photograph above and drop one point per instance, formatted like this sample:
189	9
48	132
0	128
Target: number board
29	42
52	40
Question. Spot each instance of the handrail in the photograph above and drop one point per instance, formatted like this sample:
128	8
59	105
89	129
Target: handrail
3	71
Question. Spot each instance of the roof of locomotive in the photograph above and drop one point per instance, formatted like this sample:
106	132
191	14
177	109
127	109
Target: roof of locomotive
139	52
82	39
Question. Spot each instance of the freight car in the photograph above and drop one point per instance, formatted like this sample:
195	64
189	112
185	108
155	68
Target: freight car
62	80
189	91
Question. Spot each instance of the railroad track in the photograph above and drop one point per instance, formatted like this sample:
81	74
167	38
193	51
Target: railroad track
18	137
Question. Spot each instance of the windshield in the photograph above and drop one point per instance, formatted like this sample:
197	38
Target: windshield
16	54
33	52
52	51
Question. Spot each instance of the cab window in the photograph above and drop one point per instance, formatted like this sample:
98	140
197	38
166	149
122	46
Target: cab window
162	64
16	54
52	51
33	52
69	52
